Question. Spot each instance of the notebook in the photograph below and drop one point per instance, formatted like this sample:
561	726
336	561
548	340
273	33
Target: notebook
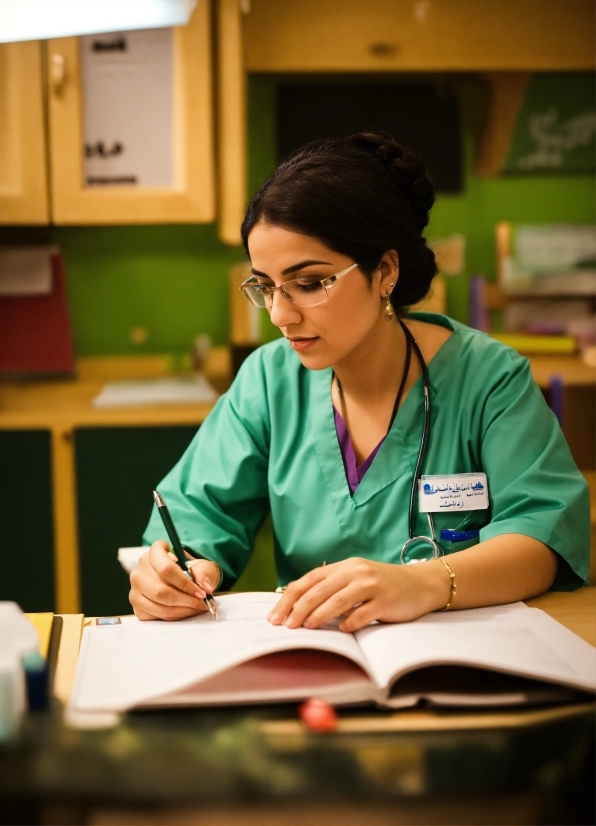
501	656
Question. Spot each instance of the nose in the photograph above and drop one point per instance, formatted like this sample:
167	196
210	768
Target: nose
282	312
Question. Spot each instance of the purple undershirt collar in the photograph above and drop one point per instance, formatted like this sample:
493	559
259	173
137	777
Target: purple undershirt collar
354	472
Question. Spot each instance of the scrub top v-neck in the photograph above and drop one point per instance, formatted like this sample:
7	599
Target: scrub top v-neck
270	445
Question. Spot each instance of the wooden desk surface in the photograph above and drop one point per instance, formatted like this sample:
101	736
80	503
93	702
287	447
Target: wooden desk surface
575	610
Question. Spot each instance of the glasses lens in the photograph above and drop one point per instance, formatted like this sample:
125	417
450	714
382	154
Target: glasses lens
305	293
256	294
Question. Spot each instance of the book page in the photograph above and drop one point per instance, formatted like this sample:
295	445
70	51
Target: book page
130	663
509	638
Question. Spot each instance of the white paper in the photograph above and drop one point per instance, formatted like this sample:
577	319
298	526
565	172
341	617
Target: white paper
26	270
128	108
126	665
193	389
458	491
129	557
513	639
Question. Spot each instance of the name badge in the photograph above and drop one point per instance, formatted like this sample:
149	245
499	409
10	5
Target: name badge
456	492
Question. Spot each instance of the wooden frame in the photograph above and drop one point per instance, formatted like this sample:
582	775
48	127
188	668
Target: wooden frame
192	199
232	116
507	91
23	176
402	35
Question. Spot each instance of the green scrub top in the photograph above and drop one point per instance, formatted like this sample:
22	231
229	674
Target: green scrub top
270	445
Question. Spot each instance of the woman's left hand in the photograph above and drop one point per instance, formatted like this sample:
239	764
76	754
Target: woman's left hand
361	591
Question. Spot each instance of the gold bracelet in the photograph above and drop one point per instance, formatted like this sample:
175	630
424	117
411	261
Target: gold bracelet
453	586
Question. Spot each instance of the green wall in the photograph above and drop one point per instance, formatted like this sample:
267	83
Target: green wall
172	279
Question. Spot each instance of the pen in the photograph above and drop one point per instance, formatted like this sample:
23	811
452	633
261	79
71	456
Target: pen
177	546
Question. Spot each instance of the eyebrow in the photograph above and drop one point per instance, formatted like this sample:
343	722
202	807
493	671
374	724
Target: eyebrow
290	270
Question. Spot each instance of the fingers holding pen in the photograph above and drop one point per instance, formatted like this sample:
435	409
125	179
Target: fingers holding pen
146	609
169	572
161	590
206	574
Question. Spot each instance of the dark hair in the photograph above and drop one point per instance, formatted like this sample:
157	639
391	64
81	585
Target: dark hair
360	196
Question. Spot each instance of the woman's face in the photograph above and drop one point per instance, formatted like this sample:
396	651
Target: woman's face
328	333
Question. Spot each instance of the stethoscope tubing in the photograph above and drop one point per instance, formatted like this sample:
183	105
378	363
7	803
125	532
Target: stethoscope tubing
436	549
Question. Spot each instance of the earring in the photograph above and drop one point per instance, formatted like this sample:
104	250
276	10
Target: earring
388	314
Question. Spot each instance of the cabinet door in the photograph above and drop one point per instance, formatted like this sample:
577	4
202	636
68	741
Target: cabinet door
419	35
117	468
27	540
131	126
23	184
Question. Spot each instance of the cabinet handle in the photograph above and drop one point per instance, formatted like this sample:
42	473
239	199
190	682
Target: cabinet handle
58	73
384	49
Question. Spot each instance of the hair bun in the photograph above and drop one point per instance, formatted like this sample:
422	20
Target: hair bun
405	166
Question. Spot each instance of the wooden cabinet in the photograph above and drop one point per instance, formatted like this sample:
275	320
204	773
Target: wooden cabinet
190	197
76	481
23	179
419	35
27	163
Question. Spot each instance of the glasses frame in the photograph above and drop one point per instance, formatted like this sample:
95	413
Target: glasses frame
326	283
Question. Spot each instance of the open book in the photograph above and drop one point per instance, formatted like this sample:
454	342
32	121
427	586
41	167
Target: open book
482	657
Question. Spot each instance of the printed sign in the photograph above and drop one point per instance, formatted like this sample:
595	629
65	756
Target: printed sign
456	492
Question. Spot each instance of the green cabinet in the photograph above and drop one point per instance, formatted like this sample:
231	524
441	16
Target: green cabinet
117	469
27	536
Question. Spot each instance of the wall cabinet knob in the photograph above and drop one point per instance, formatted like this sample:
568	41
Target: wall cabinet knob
58	73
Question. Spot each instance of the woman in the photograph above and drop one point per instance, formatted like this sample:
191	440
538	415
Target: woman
323	428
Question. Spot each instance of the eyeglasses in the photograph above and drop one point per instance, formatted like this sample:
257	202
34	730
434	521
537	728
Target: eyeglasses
302	292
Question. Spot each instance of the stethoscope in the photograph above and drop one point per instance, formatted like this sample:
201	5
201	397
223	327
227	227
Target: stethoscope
431	540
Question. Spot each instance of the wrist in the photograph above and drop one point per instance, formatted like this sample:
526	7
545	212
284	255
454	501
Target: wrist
436	584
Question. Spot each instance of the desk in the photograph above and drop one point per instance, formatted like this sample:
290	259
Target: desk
259	766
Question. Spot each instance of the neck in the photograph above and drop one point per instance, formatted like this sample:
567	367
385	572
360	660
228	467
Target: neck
373	370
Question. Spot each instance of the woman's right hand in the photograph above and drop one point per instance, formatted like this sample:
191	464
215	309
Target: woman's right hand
160	589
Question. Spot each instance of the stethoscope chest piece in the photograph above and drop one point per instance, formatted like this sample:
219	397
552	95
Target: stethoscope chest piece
437	551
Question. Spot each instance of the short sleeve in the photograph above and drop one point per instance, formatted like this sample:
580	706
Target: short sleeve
535	488
217	493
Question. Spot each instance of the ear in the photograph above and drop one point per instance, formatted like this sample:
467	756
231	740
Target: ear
389	272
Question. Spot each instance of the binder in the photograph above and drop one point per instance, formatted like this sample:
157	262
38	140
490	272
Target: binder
35	334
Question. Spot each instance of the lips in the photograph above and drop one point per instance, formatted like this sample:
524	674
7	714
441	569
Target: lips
301	344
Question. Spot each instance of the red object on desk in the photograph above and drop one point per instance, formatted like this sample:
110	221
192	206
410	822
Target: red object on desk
35	338
319	716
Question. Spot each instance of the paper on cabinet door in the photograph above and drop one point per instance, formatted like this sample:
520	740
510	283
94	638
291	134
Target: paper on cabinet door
128	99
